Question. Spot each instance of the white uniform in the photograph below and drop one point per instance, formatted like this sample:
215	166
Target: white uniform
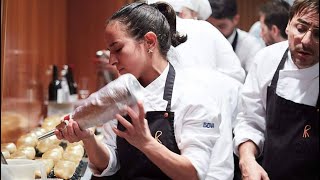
221	162
196	123
246	48
207	47
255	30
297	85
202	7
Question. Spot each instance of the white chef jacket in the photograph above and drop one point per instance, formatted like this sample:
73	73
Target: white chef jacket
221	162
246	48
298	85
207	47
255	31
194	109
202	7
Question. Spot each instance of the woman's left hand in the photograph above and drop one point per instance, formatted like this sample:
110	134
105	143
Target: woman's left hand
137	133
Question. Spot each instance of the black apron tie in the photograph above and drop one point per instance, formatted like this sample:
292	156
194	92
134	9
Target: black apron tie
235	41
167	95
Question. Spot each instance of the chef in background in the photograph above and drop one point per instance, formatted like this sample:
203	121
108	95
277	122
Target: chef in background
225	17
279	112
206	47
274	16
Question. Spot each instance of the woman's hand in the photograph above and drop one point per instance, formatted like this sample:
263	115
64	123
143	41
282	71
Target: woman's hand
72	131
137	133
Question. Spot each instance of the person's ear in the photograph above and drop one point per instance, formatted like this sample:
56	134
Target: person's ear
287	28
236	19
275	30
150	41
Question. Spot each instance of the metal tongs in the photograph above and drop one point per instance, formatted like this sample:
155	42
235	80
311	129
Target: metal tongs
3	159
60	127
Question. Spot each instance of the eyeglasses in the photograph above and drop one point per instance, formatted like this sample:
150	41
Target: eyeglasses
301	30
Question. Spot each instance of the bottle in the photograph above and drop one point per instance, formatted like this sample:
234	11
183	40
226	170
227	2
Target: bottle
104	76
73	87
55	89
64	85
61	105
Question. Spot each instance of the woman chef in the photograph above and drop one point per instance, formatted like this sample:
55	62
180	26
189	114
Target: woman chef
174	138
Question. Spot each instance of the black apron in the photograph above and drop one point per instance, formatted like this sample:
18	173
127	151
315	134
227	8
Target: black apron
133	163
291	149
235	41
237	171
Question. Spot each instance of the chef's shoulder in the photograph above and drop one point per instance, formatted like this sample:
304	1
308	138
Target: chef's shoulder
245	37
194	94
205	83
196	26
267	59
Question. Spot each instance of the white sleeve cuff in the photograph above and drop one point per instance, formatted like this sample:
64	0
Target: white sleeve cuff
110	170
196	158
258	140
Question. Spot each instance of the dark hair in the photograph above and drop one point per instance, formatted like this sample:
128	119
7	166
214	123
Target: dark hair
141	18
276	12
299	6
223	8
170	15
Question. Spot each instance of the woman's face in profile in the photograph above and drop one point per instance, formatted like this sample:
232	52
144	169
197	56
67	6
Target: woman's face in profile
126	53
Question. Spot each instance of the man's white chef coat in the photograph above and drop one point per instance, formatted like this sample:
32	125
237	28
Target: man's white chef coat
298	85
246	48
207	47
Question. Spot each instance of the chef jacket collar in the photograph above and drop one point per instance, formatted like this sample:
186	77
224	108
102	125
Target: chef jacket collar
307	73
232	36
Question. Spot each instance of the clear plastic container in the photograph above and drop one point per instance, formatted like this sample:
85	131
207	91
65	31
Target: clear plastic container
20	169
112	99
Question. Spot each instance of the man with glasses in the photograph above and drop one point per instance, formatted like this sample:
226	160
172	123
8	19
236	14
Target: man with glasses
279	111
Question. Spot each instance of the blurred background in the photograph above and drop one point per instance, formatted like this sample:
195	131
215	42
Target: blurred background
37	34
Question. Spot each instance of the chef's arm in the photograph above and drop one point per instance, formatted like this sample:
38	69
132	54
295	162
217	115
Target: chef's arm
98	154
248	150
174	165
249	167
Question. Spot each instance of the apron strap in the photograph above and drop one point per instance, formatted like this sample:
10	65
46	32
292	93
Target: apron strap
280	66
168	88
318	103
235	41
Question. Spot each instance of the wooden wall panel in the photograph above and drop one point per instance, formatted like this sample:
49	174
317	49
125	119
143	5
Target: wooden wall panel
3	16
36	34
34	37
248	10
86	35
